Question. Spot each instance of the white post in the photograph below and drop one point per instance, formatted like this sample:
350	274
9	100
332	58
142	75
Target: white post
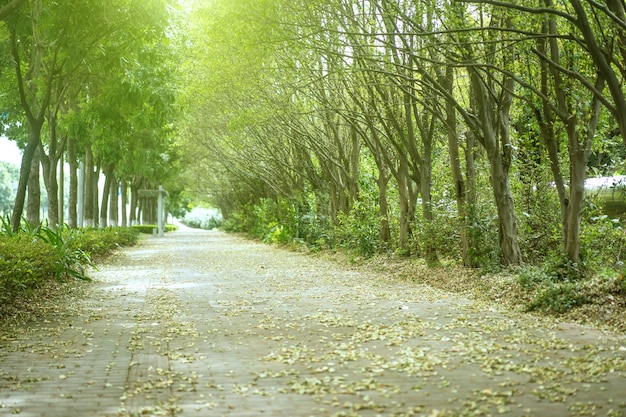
160	212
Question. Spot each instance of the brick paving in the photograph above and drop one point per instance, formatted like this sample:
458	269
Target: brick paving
204	324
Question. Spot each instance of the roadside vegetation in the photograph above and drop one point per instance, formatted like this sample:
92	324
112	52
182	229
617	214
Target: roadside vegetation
36	258
455	135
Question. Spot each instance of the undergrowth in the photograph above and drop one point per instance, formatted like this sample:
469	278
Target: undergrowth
150	228
37	254
599	300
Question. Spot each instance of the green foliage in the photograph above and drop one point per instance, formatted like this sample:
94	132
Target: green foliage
101	242
269	220
441	235
359	230
554	290
26	263
540	225
149	228
532	277
484	251
603	240
71	259
559	298
36	254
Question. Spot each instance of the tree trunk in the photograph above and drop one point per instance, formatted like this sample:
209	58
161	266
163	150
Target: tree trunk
455	164
33	209
113	203
124	203
88	211
134	202
49	164
108	178
579	157
507	219
404	201
61	198
35	121
52	187
94	184
25	168
383	206
73	197
575	205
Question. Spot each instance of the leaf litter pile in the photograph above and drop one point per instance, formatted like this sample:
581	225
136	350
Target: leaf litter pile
206	324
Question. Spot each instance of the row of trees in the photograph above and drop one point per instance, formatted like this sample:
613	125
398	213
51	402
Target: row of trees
91	83
432	118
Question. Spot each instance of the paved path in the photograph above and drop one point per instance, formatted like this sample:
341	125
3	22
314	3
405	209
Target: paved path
204	324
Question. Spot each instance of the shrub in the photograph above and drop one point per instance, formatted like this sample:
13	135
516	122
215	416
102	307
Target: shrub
358	230
26	263
100	242
149	228
531	277
36	254
484	251
559	298
71	260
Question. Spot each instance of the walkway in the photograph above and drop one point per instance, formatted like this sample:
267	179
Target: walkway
204	324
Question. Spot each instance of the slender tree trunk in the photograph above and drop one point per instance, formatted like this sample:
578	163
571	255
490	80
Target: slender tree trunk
49	164
113	203
33	209
96	195
52	187
35	120
404	197
383	206
134	202
88	211
507	219
132	215
25	168
141	210
124	203
61	198
73	197
455	164
576	199
333	202
108	178
579	158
